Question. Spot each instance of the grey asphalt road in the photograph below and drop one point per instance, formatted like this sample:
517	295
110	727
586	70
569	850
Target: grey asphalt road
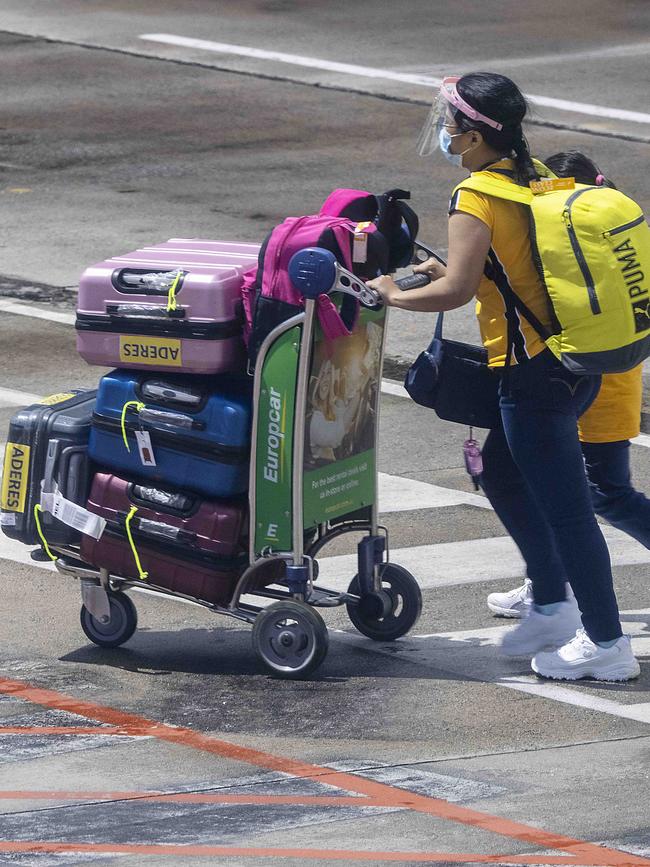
107	142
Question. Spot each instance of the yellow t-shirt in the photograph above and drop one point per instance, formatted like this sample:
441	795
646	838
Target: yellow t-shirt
511	257
616	413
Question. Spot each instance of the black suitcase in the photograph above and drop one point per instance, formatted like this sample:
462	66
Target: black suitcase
47	445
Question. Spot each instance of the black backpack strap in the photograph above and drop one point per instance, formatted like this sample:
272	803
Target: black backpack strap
392	212
437	332
494	272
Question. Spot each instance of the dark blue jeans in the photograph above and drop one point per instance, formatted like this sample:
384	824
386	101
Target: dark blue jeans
614	498
534	476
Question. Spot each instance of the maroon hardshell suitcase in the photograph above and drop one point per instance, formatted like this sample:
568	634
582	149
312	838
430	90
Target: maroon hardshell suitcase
186	544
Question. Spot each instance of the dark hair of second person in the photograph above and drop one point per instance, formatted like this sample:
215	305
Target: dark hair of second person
574	164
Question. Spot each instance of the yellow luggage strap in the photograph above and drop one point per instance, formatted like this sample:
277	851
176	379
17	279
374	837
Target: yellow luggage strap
171	295
138	406
142	575
37	520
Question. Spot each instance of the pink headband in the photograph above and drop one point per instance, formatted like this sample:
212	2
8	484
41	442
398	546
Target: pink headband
450	92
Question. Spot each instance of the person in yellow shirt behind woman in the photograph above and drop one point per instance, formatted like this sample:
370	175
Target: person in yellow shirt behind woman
605	431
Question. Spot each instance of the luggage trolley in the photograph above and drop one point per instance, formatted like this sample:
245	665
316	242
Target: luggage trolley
313	478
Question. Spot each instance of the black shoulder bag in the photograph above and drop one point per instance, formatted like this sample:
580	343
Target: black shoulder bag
454	380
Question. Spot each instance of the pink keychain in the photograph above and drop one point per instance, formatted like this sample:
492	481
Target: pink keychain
473	458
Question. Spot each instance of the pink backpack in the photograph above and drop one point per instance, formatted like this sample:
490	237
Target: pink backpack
268	295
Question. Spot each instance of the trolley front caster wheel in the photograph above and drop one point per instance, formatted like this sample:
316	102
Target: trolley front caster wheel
392	612
290	638
119	628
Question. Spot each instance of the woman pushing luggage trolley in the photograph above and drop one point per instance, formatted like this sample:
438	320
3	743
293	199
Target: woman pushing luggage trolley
313	478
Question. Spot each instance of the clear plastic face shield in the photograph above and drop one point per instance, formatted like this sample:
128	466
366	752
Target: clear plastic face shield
441	117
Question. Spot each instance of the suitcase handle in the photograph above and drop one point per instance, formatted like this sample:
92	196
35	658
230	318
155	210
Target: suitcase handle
167	501
164	531
50	463
159	530
146	281
159	391
154	311
175	419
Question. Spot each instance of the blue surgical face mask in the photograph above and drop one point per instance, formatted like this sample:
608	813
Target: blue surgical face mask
444	140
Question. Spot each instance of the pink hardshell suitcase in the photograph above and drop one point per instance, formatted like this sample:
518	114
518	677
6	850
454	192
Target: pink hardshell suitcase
186	544
174	306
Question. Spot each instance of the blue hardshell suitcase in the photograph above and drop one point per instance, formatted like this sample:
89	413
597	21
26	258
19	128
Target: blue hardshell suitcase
199	429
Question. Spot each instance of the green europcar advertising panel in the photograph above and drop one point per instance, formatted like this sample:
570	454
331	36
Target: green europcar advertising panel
273	470
341	421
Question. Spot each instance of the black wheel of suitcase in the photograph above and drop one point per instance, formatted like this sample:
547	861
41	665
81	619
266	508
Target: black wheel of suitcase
403	598
290	638
121	626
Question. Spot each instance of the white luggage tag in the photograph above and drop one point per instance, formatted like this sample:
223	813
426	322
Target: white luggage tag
72	515
360	244
145	448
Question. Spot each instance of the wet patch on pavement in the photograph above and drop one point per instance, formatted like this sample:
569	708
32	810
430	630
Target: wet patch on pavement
31	292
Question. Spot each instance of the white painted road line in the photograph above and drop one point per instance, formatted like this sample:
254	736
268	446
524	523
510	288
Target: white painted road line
291	59
532	686
632	49
401	494
16	552
469	561
21	309
473	653
385	74
13	397
389	386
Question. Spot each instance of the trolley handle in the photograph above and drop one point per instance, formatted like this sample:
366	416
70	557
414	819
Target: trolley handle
421	253
412	281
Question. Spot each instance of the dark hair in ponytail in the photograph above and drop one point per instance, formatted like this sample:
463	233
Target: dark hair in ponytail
574	164
499	98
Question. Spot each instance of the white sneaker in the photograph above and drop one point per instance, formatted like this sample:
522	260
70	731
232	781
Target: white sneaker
580	657
539	631
516	602
513	603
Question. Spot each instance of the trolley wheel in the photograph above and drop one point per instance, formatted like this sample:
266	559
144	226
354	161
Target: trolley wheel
120	627
290	638
402	605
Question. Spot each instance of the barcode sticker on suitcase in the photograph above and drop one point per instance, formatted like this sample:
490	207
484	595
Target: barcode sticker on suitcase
73	515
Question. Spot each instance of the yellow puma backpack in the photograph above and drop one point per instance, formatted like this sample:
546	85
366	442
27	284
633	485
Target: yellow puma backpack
591	246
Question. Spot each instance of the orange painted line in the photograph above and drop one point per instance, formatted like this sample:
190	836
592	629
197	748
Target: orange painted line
302	854
586	853
194	798
65	730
